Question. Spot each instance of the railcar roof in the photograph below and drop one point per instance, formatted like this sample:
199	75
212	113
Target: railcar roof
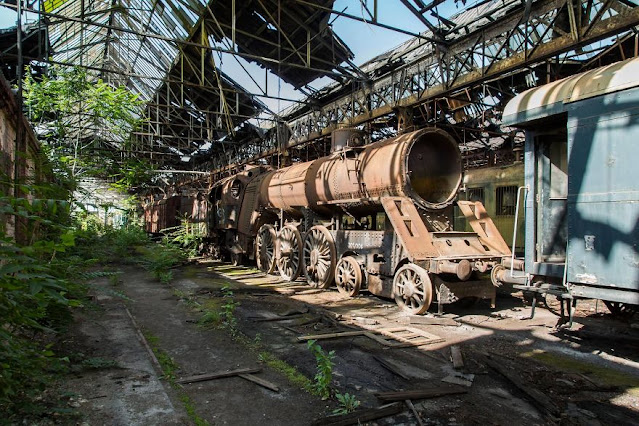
553	98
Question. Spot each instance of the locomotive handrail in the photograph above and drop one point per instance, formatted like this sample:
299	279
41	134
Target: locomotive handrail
512	255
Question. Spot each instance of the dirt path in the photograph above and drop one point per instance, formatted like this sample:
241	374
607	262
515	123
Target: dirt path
184	322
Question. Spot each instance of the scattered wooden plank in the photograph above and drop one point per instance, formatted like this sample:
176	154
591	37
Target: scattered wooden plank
289	329
418	319
258	380
361	416
331	335
311	320
460	379
268	319
456	355
425	393
390	367
294	311
395	337
410	405
540	399
213	376
402	337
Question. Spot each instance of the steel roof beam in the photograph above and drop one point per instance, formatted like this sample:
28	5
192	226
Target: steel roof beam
180	42
487	52
364	20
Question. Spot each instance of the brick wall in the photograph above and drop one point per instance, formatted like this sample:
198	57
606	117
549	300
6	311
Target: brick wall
28	159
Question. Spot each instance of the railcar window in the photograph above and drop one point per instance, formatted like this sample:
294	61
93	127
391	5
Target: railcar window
506	197
475	194
558	170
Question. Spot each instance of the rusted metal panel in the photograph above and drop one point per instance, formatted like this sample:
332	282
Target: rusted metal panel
483	226
410	228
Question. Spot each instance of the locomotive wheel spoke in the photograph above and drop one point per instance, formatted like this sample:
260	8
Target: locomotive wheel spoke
265	249
289	252
412	289
348	276
319	257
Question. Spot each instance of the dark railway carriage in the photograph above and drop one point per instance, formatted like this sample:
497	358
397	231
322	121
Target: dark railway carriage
171	212
582	187
161	214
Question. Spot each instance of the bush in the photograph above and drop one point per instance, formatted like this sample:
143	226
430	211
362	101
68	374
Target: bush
160	258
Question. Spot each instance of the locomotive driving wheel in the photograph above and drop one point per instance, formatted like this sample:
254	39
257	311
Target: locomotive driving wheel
348	276
412	289
289	253
265	249
319	257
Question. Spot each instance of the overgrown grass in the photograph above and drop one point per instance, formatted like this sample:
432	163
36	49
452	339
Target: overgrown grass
159	259
43	279
291	373
220	313
603	374
169	371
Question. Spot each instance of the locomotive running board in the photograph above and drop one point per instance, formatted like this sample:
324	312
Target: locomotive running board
410	228
484	226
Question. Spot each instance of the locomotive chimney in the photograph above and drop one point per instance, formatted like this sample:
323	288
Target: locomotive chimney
346	138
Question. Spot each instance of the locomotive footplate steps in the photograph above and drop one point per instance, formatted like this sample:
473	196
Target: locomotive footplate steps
566	300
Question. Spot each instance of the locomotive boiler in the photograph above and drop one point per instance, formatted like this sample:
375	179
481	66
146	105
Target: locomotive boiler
374	216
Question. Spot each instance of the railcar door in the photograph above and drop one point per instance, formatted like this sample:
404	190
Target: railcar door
551	196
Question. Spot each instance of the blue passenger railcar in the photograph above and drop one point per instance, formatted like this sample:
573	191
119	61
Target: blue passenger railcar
581	194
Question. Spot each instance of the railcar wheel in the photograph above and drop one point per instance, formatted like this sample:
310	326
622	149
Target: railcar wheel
265	249
289	253
621	310
348	276
412	289
319	257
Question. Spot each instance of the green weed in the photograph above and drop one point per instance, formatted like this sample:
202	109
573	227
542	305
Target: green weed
324	368
228	311
347	403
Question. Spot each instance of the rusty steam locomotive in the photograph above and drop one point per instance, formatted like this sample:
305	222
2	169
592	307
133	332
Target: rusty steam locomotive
374	216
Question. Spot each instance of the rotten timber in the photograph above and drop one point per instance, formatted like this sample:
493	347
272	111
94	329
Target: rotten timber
541	400
213	376
361	416
259	381
426	393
